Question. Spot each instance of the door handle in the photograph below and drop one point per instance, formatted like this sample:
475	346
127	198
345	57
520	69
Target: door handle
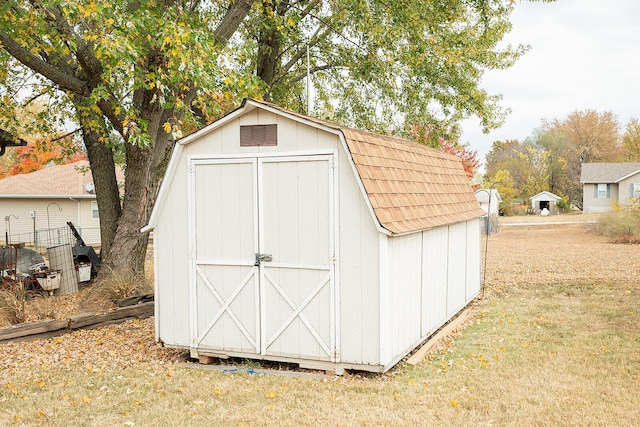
263	258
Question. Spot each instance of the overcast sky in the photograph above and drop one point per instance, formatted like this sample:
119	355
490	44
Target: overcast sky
585	54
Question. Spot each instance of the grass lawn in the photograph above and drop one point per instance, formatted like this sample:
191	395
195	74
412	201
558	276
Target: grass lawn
555	341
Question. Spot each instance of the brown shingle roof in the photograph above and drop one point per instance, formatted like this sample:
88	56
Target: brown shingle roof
62	180
410	186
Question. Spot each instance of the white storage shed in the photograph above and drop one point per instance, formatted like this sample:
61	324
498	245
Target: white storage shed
283	237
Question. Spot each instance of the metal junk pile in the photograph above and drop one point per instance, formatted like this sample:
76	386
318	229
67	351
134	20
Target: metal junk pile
26	269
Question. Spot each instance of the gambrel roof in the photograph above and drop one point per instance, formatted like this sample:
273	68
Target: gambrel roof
409	187
607	173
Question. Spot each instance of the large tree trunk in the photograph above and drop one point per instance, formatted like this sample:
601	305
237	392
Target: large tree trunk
105	182
128	250
143	175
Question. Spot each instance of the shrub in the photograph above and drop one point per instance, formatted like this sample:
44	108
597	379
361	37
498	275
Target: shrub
622	225
563	204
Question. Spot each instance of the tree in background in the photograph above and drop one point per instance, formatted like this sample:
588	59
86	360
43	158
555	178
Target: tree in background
506	156
36	155
469	157
631	141
134	76
552	158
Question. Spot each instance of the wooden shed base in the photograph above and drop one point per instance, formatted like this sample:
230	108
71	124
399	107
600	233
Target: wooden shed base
329	368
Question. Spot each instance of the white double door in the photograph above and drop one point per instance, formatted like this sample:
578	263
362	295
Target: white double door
262	239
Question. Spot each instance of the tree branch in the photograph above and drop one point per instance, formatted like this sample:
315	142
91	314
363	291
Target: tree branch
64	80
313	70
236	13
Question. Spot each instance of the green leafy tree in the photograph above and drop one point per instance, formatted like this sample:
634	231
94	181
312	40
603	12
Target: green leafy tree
134	76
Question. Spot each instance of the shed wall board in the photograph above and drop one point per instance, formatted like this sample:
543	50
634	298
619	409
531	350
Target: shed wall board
402	323
171	251
457	269
435	259
358	272
472	259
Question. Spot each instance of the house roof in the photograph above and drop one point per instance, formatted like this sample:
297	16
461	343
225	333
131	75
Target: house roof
409	186
482	195
545	195
607	173
70	180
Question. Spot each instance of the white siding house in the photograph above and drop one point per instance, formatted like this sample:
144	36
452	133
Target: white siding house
607	184
39	204
282	237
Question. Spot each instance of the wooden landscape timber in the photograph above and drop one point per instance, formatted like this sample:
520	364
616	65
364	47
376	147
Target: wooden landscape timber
48	328
419	355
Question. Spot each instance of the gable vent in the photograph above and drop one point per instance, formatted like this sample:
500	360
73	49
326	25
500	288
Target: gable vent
259	135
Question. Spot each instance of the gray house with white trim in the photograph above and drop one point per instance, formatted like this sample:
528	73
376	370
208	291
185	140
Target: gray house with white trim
607	184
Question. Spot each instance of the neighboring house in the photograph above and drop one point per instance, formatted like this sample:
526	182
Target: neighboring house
282	237
482	196
490	205
43	202
607	184
544	200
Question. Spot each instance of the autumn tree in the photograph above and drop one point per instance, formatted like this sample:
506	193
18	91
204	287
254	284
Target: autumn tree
583	137
506	156
631	141
134	76
534	166
468	156
36	155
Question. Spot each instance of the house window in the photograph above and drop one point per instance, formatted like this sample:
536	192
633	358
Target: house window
635	190
603	191
94	210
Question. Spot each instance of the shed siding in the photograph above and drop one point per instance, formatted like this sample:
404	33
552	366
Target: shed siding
358	273
171	251
473	259
435	259
457	268
402	323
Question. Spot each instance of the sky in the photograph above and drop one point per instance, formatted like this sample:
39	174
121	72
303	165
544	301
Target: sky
585	55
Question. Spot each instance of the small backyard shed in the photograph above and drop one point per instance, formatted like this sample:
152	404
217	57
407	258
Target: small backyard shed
544	200
283	237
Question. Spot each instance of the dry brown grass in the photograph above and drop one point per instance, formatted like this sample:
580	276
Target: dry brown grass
555	341
112	285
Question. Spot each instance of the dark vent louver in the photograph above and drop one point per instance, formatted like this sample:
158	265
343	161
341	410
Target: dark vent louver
259	135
